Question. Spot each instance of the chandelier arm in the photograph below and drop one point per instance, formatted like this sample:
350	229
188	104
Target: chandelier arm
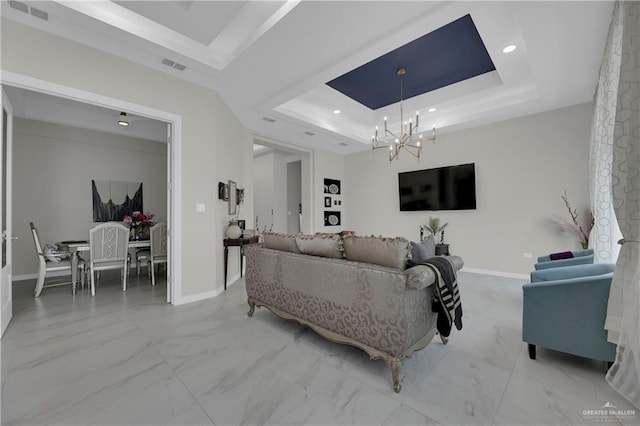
414	154
393	154
391	133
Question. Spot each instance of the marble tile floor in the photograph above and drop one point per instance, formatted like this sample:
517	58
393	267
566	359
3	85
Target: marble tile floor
131	359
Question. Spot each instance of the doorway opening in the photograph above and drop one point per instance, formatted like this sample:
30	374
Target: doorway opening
282	187
171	125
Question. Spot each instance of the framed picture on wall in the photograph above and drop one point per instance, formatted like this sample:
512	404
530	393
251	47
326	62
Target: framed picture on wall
331	218
233	197
112	200
331	186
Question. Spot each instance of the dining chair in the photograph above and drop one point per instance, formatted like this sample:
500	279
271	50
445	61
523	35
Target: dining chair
157	253
108	248
58	262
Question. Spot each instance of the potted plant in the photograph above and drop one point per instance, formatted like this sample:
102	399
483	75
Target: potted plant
434	228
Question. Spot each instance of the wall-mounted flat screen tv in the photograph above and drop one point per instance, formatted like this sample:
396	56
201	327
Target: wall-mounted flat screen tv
443	188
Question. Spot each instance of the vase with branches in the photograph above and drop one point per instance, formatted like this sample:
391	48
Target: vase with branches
580	230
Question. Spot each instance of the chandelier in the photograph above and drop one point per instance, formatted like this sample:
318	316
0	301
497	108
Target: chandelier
408	138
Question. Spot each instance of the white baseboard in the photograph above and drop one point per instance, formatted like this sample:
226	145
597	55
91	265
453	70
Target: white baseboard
198	297
206	294
234	279
496	273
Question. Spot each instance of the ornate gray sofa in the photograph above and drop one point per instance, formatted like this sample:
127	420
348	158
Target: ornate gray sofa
382	310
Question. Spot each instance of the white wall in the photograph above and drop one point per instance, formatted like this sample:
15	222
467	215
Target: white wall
53	168
522	166
215	145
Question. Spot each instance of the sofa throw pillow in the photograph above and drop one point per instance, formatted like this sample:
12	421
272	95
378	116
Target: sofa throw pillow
423	250
325	245
282	242
51	253
389	252
561	255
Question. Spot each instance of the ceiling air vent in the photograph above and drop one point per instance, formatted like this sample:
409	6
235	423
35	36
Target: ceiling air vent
172	64
22	7
269	119
308	133
39	13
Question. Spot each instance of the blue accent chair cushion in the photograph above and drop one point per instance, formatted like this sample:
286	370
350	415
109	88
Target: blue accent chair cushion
580	257
564	309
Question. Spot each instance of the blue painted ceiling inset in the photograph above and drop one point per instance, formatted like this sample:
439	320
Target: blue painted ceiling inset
450	54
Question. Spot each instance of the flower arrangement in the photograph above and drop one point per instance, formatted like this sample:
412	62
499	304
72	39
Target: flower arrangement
137	219
139	223
574	227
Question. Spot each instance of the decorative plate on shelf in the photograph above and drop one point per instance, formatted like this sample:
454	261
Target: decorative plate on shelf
333	188
333	219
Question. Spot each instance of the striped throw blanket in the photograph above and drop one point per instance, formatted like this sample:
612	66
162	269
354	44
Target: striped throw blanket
446	295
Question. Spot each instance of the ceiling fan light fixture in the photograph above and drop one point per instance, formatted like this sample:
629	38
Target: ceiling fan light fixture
123	119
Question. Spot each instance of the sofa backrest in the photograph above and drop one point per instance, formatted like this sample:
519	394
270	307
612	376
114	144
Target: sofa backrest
389	252
382	251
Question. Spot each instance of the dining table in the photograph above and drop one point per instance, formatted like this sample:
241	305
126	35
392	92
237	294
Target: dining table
75	247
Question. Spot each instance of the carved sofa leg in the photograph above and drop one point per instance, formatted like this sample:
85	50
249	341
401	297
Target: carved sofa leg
252	307
394	364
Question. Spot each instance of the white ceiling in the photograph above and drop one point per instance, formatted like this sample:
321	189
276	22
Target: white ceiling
273	58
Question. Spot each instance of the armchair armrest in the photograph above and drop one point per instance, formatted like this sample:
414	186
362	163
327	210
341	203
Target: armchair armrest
579	260
576	253
574	271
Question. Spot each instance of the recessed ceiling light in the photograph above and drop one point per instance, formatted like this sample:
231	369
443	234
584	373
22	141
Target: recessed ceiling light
509	48
123	119
432	110
336	111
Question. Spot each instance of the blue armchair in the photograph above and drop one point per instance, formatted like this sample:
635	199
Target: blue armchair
564	309
580	257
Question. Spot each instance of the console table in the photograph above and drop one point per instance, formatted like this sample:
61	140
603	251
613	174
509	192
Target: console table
238	242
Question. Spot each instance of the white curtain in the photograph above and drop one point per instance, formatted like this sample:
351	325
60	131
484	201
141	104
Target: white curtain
605	232
623	312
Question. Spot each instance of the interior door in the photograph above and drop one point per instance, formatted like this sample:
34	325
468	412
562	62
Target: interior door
5	194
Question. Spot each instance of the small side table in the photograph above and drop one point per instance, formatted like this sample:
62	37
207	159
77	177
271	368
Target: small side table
238	242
